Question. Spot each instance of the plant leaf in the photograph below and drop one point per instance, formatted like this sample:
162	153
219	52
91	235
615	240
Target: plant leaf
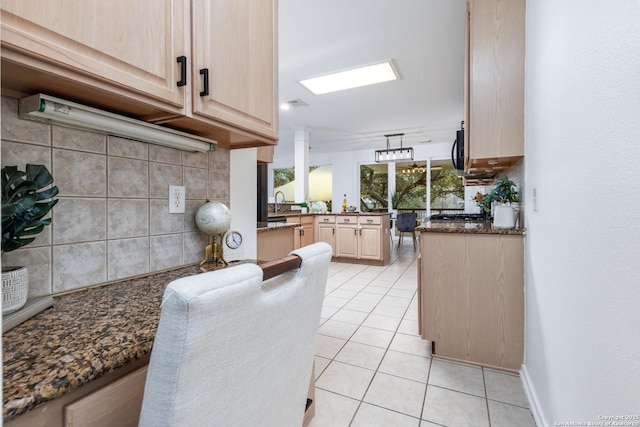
25	201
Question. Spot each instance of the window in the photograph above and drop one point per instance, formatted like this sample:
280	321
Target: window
320	183
374	188
411	185
447	189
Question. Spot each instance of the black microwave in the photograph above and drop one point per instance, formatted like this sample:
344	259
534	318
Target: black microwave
457	151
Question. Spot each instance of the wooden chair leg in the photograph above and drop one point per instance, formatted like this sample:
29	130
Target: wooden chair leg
413	234
400	239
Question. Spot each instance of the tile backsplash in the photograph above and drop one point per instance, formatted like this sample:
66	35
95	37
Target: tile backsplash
112	220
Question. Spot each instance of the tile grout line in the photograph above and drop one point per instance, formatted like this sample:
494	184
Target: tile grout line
486	397
395	332
360	325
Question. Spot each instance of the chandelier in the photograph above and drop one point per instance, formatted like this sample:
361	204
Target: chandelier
394	154
414	168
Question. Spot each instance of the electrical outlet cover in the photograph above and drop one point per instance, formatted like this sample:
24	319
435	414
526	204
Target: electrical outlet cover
176	199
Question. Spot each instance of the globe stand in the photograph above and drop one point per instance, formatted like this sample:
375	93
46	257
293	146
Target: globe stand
214	219
213	252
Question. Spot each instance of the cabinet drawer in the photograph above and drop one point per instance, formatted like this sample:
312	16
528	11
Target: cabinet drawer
306	220
347	219
326	219
372	220
116	404
293	220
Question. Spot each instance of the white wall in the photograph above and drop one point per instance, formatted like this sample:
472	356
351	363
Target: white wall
582	356
244	197
346	166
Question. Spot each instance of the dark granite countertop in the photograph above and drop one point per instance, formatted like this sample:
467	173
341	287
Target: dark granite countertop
475	227
85	335
273	226
286	214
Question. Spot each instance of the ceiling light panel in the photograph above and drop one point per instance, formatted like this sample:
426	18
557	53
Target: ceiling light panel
357	77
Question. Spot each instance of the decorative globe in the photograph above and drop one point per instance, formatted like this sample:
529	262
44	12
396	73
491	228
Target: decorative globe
213	218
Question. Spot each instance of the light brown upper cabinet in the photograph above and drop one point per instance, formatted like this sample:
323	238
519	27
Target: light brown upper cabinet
234	43
123	56
494	85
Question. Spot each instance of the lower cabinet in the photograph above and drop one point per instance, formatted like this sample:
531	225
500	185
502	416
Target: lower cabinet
114	399
274	243
116	404
471	297
347	237
303	235
326	231
363	237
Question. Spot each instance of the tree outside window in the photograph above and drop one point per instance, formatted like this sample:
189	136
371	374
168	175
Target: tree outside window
447	188
374	187
411	185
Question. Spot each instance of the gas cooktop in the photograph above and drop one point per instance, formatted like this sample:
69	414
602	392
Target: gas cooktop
458	216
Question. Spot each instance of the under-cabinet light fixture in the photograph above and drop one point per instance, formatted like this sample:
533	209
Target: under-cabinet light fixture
390	155
80	116
348	79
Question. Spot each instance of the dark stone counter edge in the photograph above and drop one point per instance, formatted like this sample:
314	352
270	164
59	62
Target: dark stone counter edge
287	214
480	230
275	226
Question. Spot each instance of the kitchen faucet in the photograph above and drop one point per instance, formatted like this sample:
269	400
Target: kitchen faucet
275	197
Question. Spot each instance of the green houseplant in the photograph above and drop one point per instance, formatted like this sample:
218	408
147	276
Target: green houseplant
395	200
27	197
505	191
504	194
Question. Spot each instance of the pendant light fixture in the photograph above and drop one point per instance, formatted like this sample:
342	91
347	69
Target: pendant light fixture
390	155
414	168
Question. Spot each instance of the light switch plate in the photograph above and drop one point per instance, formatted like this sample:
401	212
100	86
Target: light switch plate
176	199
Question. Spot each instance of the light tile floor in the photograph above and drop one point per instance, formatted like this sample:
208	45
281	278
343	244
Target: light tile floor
372	368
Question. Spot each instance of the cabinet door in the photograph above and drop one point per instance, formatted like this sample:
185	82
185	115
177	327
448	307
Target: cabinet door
370	242
327	234
307	235
495	90
122	46
472	298
235	40
116	404
347	241
297	233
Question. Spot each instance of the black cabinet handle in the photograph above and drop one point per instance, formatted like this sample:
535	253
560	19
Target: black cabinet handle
183	70
205	73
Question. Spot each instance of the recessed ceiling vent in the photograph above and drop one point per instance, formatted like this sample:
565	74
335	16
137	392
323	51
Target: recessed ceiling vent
296	103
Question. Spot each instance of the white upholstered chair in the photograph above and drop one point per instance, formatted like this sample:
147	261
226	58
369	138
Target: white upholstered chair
232	350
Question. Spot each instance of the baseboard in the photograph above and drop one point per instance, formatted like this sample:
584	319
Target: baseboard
534	403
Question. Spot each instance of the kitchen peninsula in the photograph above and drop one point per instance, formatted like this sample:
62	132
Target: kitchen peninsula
356	237
471	292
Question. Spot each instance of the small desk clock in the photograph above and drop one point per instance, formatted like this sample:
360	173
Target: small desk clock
232	248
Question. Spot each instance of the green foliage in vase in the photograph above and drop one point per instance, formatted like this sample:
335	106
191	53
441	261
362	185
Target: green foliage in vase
505	191
26	198
395	200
